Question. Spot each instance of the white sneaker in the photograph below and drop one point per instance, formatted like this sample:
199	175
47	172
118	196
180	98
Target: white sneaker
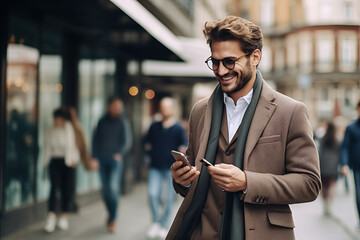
163	233
50	223
154	230
63	223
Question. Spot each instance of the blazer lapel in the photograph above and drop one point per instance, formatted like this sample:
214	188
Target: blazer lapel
224	127
204	137
263	113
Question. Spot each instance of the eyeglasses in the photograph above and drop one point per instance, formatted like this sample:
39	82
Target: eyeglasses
229	63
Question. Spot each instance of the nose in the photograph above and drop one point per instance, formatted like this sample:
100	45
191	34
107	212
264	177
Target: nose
222	70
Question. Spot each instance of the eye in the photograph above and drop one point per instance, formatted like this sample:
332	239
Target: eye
228	62
215	62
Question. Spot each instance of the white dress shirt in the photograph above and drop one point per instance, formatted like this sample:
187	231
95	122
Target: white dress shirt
236	112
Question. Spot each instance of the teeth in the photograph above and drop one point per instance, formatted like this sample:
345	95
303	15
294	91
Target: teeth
229	78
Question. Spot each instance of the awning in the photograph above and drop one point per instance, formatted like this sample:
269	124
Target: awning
194	51
152	25
122	29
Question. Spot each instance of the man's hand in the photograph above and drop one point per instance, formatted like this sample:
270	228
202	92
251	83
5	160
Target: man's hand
183	175
228	177
345	170
93	164
117	157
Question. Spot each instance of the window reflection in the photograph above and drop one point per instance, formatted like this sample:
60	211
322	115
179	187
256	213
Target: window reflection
21	126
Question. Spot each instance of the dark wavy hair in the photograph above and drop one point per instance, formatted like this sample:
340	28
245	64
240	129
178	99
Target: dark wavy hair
234	28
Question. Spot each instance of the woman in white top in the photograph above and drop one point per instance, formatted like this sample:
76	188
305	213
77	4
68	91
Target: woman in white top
62	156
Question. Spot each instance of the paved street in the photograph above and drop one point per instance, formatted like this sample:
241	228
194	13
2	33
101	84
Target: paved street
311	223
134	220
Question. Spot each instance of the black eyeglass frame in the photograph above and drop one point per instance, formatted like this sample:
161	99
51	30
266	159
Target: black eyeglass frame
233	61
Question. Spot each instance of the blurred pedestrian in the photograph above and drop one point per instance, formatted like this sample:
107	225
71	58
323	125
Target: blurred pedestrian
259	142
350	155
329	164
162	137
62	155
111	141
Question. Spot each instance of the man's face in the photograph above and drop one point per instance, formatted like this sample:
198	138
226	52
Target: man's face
231	81
166	108
115	108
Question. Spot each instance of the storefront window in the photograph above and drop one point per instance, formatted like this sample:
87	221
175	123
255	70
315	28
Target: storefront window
49	99
34	91
21	144
96	79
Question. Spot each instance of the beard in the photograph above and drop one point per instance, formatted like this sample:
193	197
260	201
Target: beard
245	77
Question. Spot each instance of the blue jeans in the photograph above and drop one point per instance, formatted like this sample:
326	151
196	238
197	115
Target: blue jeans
111	175
156	179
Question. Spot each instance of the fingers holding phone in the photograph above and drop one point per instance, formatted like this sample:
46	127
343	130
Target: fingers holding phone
206	162
181	171
228	177
183	175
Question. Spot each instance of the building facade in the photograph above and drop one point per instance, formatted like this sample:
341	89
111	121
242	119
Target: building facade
311	52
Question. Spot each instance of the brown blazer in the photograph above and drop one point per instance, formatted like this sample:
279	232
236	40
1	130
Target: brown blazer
281	164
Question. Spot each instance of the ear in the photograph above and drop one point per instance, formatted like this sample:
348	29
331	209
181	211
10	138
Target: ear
256	57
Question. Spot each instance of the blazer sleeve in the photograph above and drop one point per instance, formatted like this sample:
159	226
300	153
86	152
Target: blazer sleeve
190	151
300	181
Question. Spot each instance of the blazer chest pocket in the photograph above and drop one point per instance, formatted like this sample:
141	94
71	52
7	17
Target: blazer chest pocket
269	139
281	219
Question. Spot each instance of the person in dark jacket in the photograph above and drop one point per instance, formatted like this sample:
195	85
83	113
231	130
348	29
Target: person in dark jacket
162	137
111	141
350	155
329	162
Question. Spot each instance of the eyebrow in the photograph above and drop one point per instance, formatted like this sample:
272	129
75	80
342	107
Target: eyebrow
223	58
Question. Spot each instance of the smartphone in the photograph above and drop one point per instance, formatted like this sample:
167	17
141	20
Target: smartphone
179	156
206	162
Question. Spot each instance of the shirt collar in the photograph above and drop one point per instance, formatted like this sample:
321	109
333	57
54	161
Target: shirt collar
247	98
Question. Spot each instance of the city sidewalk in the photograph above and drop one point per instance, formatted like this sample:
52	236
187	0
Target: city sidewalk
311	223
134	220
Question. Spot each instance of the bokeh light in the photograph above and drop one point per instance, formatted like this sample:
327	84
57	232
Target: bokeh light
59	88
133	91
149	94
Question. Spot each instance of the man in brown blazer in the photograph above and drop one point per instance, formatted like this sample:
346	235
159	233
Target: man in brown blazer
259	141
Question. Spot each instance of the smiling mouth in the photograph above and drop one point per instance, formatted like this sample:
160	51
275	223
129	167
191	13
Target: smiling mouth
226	79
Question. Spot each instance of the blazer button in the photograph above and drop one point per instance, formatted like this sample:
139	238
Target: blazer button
228	153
